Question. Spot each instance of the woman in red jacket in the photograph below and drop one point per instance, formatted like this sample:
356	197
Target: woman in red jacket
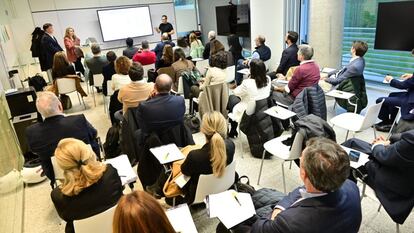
73	51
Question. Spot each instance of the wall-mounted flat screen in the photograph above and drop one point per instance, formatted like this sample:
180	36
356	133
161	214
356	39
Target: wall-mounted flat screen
233	19
117	24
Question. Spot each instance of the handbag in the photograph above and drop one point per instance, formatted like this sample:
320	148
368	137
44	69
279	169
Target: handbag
244	187
191	77
192	122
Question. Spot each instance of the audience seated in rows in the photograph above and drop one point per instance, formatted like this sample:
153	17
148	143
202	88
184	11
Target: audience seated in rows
306	75
327	202
211	36
96	63
235	48
256	87
215	47
43	137
139	212
108	71
261	52
196	46
137	91
180	65
160	46
130	49
182	44
355	68
389	172
89	187
166	59
289	56
145	56
404	100
121	77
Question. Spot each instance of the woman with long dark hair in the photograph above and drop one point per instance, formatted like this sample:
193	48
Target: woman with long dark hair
235	47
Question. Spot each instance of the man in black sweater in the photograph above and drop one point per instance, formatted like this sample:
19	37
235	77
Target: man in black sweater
289	56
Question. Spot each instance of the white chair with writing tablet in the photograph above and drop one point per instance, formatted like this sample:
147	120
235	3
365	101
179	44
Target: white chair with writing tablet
202	66
68	85
98	80
101	222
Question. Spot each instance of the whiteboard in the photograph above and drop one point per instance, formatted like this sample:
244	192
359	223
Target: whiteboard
86	24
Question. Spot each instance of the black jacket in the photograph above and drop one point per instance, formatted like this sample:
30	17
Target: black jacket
313	126
50	46
391	174
311	100
289	58
198	162
43	138
206	52
129	144
93	200
107	72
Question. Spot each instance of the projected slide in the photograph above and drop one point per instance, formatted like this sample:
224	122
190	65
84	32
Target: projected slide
122	23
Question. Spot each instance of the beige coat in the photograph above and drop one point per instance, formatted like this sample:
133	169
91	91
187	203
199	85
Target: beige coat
214	98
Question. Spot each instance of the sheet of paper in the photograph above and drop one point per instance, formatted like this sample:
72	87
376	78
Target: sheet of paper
181	219
231	207
245	71
182	180
327	70
167	153
339	94
279	112
124	168
282	81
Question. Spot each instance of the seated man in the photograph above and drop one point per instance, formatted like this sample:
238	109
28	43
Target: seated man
43	138
355	67
404	100
289	56
131	49
162	110
261	52
108	71
306	75
145	56
96	63
160	46
327	202
135	92
390	172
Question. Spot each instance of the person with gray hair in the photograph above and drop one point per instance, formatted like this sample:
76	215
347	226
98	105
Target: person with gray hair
306	75
96	63
327	202
160	46
211	36
43	137
145	56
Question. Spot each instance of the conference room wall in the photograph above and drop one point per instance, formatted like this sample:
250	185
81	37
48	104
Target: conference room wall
326	24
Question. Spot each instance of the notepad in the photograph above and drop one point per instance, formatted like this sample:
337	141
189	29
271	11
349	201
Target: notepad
231	207
327	70
245	71
182	180
181	219
124	168
279	112
167	153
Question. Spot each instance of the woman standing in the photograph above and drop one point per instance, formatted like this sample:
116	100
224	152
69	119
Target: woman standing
73	51
196	47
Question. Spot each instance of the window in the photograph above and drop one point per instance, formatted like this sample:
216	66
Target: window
360	24
186	16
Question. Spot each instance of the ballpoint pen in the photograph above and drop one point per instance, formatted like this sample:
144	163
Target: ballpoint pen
166	156
235	197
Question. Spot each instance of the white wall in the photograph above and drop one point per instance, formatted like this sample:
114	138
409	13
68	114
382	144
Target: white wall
267	19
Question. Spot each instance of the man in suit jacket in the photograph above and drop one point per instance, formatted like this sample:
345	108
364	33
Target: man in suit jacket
43	137
160	46
50	46
289	56
162	110
355	67
390	172
327	202
96	63
211	36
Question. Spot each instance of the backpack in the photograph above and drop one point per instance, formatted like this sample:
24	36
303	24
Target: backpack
37	82
111	146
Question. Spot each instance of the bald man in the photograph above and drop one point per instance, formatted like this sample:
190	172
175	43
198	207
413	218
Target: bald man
44	137
162	110
160	46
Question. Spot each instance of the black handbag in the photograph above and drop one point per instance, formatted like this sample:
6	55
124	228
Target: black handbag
244	187
192	122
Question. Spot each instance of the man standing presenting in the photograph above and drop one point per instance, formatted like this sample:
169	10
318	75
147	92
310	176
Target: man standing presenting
165	27
50	46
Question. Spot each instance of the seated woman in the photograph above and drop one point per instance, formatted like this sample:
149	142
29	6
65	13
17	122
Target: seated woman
121	77
167	57
139	212
89	187
256	87
215	74
213	157
62	68
182	44
180	65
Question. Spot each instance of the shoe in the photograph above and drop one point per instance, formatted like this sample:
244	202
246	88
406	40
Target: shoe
383	128
233	134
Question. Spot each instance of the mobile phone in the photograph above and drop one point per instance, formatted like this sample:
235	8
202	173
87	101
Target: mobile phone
354	155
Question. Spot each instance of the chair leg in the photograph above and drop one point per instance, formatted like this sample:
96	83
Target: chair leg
290	165
364	187
93	93
261	167
379	208
241	140
283	176
104	103
347	132
77	93
398	227
375	132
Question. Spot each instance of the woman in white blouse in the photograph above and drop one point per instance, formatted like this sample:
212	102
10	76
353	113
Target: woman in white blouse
256	87
121	78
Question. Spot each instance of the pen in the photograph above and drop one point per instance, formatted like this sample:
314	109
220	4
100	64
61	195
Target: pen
235	197
275	110
166	156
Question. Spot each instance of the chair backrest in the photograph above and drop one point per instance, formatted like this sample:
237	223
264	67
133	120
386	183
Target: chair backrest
180	89
56	169
109	89
66	85
98	80
101	222
296	149
148	67
231	73
210	184
167	70
214	98
371	116
202	66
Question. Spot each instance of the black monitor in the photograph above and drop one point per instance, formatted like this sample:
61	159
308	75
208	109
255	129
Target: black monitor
395	30
233	19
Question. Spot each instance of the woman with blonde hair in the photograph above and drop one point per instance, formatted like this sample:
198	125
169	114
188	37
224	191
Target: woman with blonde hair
139	212
89	187
196	47
73	51
121	78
